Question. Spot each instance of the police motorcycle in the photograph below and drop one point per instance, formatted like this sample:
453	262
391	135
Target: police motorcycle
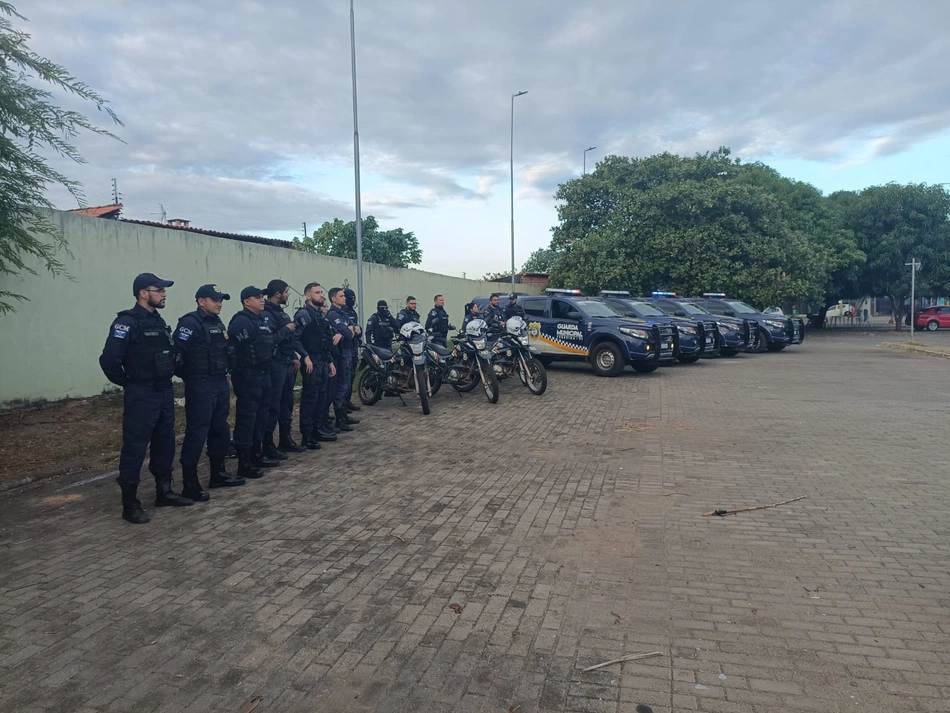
511	355
469	363
401	371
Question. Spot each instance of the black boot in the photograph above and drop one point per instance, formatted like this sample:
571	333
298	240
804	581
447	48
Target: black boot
272	451
286	443
350	406
190	486
131	507
349	420
232	450
311	441
260	460
246	468
324	433
165	496
341	423
221	478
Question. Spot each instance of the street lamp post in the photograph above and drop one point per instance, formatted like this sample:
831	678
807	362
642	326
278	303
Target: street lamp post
585	158
356	165
512	166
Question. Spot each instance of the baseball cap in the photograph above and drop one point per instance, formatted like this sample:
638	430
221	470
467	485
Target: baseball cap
251	291
146	280
212	292
512	296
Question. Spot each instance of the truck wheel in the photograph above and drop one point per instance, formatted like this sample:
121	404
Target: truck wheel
932	325
691	359
607	359
763	343
645	368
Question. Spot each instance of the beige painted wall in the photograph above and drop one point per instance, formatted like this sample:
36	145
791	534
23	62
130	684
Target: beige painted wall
49	348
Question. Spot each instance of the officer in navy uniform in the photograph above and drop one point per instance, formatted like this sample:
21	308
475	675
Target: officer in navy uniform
283	373
349	309
346	347
514	309
381	326
207	356
495	316
139	355
471	313
408	313
437	323
255	342
317	339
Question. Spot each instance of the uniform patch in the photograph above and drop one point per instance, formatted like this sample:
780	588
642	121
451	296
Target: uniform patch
119	327
119	333
184	334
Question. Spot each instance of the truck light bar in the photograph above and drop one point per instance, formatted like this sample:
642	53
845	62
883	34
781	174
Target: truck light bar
558	291
714	294
620	293
658	293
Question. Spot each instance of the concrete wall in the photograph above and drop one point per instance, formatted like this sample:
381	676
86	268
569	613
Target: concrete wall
49	348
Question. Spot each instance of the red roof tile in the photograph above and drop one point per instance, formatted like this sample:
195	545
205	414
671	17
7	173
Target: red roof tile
100	211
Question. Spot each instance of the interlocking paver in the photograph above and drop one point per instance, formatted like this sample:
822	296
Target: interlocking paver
568	529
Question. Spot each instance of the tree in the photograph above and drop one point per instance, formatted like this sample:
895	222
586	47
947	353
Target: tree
395	248
30	124
892	224
541	260
692	225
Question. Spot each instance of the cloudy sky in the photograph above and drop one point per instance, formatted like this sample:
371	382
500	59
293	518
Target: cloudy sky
238	113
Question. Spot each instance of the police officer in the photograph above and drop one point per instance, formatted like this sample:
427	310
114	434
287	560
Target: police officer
471	312
202	342
494	315
349	309
382	326
437	323
408	313
254	352
317	338
139	355
514	309
283	373
346	347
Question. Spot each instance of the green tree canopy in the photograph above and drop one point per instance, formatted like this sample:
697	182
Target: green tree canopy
395	248
541	260
31	125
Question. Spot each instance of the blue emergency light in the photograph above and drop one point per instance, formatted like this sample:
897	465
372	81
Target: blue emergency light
559	291
658	293
714	294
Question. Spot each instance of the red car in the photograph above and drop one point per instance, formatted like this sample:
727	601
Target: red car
933	318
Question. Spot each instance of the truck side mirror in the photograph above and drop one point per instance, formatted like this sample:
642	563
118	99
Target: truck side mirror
679	313
730	313
574	315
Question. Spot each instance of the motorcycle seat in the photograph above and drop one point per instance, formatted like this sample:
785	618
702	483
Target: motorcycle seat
439	349
383	354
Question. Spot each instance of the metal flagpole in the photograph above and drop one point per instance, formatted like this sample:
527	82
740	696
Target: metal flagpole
356	166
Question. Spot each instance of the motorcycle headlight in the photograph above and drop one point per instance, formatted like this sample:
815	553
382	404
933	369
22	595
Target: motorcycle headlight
417	347
479	343
686	329
638	333
775	324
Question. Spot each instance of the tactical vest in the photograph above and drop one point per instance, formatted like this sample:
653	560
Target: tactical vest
316	337
257	351
211	356
151	357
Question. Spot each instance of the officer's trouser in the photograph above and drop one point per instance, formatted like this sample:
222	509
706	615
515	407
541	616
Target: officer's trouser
148	417
280	374
286	413
344	380
313	398
207	404
331	388
252	389
354	363
440	339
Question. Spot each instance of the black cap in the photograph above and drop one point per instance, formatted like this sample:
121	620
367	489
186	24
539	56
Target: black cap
146	280
382	303
275	286
212	292
512	296
251	291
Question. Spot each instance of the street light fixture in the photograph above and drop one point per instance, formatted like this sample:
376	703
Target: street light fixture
585	158
512	166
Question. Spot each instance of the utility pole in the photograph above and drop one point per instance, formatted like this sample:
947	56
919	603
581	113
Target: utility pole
356	166
305	230
512	164
115	192
914	266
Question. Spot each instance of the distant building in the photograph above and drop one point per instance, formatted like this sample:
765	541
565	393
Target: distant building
109	212
526	278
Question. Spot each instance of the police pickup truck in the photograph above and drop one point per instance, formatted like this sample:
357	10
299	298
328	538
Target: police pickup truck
695	338
565	325
735	335
775	332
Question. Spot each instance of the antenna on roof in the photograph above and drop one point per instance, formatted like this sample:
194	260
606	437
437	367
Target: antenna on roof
116	196
305	230
161	212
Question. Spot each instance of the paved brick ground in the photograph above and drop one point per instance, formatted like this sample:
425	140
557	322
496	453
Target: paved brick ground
568	529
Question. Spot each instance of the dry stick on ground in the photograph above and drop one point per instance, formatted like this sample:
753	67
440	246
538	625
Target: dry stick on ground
628	657
757	507
251	705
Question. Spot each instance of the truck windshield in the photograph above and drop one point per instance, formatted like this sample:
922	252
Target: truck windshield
644	308
690	308
740	307
592	308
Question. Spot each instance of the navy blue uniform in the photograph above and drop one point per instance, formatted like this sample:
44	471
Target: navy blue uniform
407	315
205	351
316	340
495	316
282	375
438	325
514	310
254	350
353	319
139	355
380	329
346	349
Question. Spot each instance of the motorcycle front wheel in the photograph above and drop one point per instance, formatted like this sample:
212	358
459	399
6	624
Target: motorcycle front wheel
370	387
463	387
435	380
534	376
422	388
489	382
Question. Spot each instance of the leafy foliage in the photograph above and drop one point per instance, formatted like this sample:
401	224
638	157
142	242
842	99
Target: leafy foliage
395	248
541	260
30	124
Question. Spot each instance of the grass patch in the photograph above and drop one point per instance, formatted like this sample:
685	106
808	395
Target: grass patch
919	348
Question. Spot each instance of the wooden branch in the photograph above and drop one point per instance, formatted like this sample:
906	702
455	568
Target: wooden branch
723	513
